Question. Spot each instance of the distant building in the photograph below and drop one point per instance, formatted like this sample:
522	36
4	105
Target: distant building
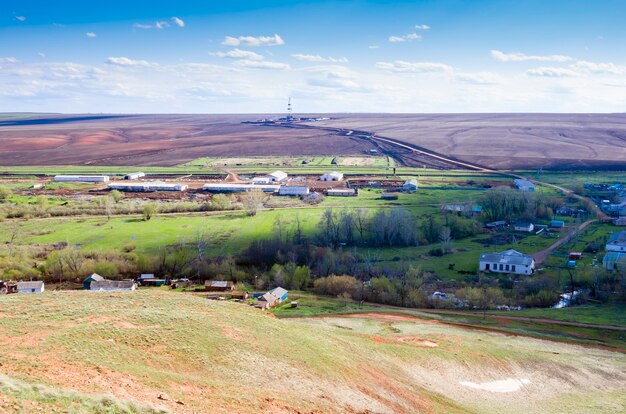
293	190
614	261
266	301
496	224
30	287
341	192
219	285
134	176
94	277
278	176
409	185
280	293
111	285
261	180
439	296
81	178
557	223
523	226
147	186
617	242
237	188
508	261
620	221
332	176
524	185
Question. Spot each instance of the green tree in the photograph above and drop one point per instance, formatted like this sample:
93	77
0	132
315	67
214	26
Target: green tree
117	196
149	210
5	192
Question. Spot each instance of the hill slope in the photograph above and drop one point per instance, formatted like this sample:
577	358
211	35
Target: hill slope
156	350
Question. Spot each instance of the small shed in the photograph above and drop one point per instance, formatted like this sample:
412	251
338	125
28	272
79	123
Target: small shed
557	223
134	176
524	226
409	185
30	287
278	176
219	286
266	301
280	293
575	255
94	277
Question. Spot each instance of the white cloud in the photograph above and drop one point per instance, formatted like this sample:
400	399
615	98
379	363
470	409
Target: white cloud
41	55
90	34
178	22
599	68
253	41
373	47
422	27
255	64
521	57
406	38
479	78
318	58
552	72
414	67
157	25
124	61
238	54
21	18
8	60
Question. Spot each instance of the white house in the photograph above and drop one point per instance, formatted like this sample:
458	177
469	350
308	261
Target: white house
617	242
332	176
524	185
82	178
508	261
278	176
523	226
409	185
293	190
30	287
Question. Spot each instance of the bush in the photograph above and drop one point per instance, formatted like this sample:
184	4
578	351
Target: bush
437	252
5	192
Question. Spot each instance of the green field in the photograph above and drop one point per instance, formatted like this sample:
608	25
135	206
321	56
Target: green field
157	351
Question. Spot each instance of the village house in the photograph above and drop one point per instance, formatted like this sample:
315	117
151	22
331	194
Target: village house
523	185
524	226
409	185
332	176
111	285
617	242
508	261
30	287
94	277
280	293
266	301
219	286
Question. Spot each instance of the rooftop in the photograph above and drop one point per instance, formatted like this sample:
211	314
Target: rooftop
507	257
618	238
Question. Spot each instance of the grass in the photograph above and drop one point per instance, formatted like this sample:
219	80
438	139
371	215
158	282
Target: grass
601	314
65	350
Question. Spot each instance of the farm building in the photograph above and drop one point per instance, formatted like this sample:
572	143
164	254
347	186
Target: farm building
524	226
617	242
152	282
280	293
508	261
235	188
557	223
94	277
523	185
266	301
81	178
147	186
218	285
409	185
261	180
614	261
332	176
134	176
278	176
30	287
113	285
144	276
341	192
293	190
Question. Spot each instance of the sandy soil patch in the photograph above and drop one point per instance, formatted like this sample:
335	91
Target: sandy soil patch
506	385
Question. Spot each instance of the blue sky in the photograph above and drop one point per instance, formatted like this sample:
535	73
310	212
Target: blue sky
330	56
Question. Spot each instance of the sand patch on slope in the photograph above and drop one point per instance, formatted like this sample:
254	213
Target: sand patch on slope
506	385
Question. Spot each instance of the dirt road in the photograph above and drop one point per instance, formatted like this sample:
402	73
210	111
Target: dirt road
541	256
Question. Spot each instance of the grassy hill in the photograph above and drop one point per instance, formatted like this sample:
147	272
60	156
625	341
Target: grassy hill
159	351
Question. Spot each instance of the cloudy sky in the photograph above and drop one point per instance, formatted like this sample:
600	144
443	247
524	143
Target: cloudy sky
329	56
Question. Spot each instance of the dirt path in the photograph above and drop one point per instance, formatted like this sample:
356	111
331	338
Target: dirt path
541	256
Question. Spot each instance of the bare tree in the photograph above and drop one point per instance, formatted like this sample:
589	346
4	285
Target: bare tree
361	221
445	237
253	200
